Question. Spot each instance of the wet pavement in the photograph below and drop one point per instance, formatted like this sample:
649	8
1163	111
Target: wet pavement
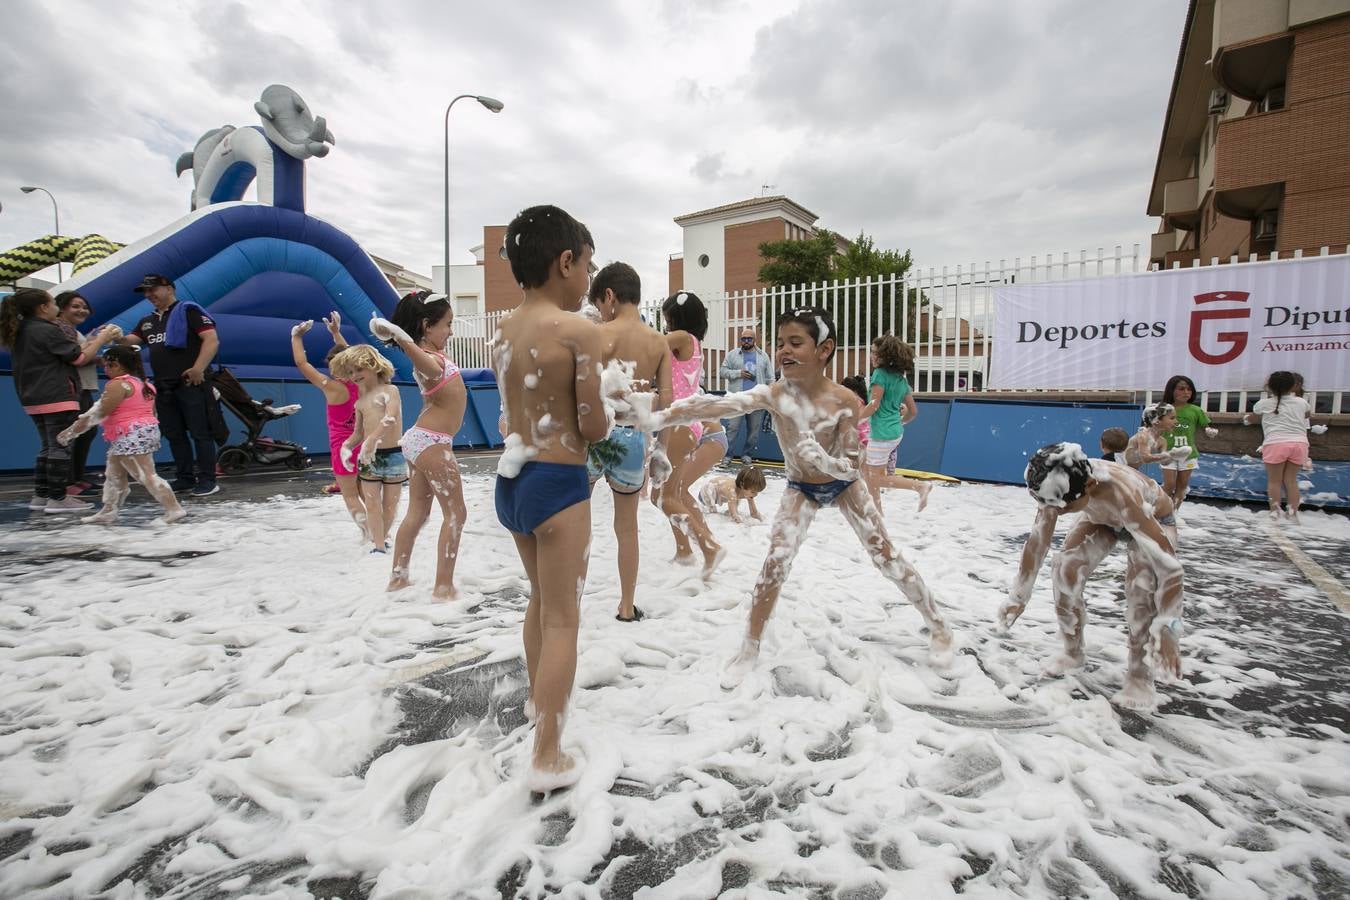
1295	682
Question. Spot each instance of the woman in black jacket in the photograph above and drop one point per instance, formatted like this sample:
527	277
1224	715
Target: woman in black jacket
45	377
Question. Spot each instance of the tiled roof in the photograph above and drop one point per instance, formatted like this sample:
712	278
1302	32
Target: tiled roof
746	204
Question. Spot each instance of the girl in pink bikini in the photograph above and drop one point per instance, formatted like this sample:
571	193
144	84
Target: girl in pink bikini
341	397
686	321
421	327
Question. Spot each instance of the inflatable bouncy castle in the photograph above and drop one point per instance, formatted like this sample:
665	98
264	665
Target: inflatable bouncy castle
257	267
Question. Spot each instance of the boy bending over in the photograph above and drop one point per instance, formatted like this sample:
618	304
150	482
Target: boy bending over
547	365
1118	504
816	421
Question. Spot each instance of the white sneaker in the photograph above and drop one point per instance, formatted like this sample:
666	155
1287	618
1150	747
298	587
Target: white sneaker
67	504
37	504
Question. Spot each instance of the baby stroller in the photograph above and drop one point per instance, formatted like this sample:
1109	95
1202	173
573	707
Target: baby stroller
255	449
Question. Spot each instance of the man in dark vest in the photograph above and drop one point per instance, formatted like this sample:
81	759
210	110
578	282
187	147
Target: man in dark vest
182	341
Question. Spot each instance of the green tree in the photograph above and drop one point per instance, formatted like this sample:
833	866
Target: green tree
788	263
818	260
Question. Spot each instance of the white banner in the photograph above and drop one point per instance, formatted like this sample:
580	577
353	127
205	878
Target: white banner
1226	327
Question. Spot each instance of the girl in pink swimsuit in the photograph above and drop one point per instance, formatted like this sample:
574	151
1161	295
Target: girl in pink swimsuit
421	327
127	411
686	321
341	399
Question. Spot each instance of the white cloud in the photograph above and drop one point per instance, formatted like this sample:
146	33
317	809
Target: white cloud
963	131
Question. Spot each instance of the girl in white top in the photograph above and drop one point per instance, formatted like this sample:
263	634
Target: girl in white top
1284	422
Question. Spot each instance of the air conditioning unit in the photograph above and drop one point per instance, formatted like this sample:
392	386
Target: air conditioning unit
1218	102
1266	225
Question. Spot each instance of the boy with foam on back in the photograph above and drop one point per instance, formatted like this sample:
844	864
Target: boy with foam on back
1117	504
547	363
816	421
616	292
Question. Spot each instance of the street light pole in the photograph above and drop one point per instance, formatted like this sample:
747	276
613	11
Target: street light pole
492	106
28	189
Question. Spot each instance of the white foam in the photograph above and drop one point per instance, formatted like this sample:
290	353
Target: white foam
210	699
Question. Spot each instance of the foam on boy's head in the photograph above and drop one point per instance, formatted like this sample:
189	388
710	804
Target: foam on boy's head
537	237
1156	413
1057	474
817	322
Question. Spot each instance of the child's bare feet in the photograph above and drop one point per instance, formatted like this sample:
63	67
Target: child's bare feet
741	664
1009	613
1065	662
940	649
1136	695
683	559
102	517
924	489
398	580
712	561
544	778
175	515
445	592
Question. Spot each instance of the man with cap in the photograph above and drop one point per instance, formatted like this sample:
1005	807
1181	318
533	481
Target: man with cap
182	341
742	369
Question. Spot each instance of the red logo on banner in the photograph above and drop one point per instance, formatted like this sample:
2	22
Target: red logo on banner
1236	340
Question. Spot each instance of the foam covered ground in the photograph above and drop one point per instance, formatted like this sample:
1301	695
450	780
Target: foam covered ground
234	706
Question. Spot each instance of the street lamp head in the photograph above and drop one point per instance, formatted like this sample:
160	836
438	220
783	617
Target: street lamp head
491	103
28	189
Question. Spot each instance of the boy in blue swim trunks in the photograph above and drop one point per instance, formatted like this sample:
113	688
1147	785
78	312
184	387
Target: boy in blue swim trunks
547	362
816	422
621	458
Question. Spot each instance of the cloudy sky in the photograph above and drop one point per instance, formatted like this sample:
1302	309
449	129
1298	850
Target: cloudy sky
961	130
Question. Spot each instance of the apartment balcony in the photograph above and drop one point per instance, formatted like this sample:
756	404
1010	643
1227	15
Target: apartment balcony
1251	162
1254	68
1181	203
1180	258
1161	244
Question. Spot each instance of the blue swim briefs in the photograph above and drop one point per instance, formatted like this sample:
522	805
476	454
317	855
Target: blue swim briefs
539	492
821	494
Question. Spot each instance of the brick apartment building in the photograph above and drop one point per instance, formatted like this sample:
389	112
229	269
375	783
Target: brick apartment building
1255	150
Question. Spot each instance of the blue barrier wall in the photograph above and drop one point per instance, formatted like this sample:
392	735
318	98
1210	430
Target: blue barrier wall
308	427
990	440
977	439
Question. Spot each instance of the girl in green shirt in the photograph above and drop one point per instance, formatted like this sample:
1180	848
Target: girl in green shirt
1179	392
891	406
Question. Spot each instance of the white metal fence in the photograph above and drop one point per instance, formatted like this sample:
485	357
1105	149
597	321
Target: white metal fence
945	313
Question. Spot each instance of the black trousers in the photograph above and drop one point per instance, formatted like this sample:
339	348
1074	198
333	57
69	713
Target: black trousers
79	448
51	469
184	420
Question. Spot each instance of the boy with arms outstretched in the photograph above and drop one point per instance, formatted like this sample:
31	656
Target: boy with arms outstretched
816	421
616	292
1117	503
547	363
